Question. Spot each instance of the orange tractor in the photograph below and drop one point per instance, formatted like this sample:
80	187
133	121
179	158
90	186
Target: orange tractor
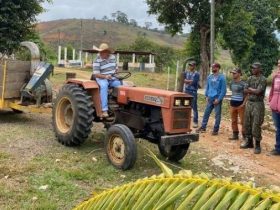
159	116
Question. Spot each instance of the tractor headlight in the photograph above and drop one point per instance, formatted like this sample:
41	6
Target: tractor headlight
177	102
186	102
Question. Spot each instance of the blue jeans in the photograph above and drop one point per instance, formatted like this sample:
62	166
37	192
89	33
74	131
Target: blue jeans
104	85
194	104
218	114
276	119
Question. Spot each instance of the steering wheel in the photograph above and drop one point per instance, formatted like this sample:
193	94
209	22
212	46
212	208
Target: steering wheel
121	75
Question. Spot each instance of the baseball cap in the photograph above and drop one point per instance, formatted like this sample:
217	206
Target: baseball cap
192	63
256	65
216	65
236	70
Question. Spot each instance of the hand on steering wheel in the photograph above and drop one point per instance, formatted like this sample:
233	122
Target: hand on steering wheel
121	75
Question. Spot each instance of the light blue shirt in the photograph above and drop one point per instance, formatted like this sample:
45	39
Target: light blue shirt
216	87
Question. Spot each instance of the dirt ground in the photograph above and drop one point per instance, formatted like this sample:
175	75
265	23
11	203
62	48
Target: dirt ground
263	168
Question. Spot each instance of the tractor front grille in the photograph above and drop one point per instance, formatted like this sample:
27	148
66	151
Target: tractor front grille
181	118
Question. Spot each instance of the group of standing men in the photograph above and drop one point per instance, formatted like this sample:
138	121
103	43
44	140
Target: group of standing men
247	102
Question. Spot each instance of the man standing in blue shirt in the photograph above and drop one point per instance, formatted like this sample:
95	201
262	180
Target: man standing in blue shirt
215	92
191	85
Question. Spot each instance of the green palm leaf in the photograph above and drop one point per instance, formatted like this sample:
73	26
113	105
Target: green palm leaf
183	191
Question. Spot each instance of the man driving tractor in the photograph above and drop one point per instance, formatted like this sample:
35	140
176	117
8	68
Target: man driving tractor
104	67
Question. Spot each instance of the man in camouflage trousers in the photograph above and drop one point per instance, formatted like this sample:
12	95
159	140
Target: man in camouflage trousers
254	111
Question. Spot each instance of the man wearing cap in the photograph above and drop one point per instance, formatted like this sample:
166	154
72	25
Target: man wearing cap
104	67
237	103
254	111
215	92
191	86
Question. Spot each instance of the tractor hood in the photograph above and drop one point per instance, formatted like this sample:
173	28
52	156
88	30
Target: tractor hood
152	96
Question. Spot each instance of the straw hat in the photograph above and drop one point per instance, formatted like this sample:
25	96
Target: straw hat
103	47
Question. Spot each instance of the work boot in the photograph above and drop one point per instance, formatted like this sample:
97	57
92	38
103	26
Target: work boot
234	136
258	147
275	152
201	130
247	143
195	125
215	133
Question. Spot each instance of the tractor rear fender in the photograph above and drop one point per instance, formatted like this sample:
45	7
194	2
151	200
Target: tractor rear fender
92	88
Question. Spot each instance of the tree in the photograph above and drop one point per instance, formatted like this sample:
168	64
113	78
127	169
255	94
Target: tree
246	26
249	33
105	18
17	19
121	17
133	22
148	25
192	46
265	50
238	34
175	14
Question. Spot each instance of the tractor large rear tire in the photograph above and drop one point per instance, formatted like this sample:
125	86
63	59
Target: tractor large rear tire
120	146
72	115
173	153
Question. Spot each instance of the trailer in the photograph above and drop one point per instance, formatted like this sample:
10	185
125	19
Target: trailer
24	85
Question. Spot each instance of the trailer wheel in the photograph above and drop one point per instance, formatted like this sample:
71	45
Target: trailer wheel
173	153
72	115
120	146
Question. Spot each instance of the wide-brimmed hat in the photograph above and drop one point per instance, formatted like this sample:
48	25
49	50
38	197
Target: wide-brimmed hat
103	47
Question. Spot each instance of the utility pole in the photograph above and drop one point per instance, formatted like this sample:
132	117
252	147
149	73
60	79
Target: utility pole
212	33
81	33
59	38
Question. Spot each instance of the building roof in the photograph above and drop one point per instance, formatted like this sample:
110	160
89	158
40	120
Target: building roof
122	52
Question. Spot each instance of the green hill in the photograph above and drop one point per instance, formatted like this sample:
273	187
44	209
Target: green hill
97	31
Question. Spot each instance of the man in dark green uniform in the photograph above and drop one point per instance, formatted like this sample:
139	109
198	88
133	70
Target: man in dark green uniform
254	111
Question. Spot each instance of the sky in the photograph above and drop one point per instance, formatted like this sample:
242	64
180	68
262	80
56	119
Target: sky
63	9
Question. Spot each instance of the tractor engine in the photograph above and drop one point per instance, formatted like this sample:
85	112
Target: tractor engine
158	111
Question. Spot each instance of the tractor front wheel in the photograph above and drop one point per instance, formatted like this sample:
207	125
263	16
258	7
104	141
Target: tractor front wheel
120	146
173	153
72	115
